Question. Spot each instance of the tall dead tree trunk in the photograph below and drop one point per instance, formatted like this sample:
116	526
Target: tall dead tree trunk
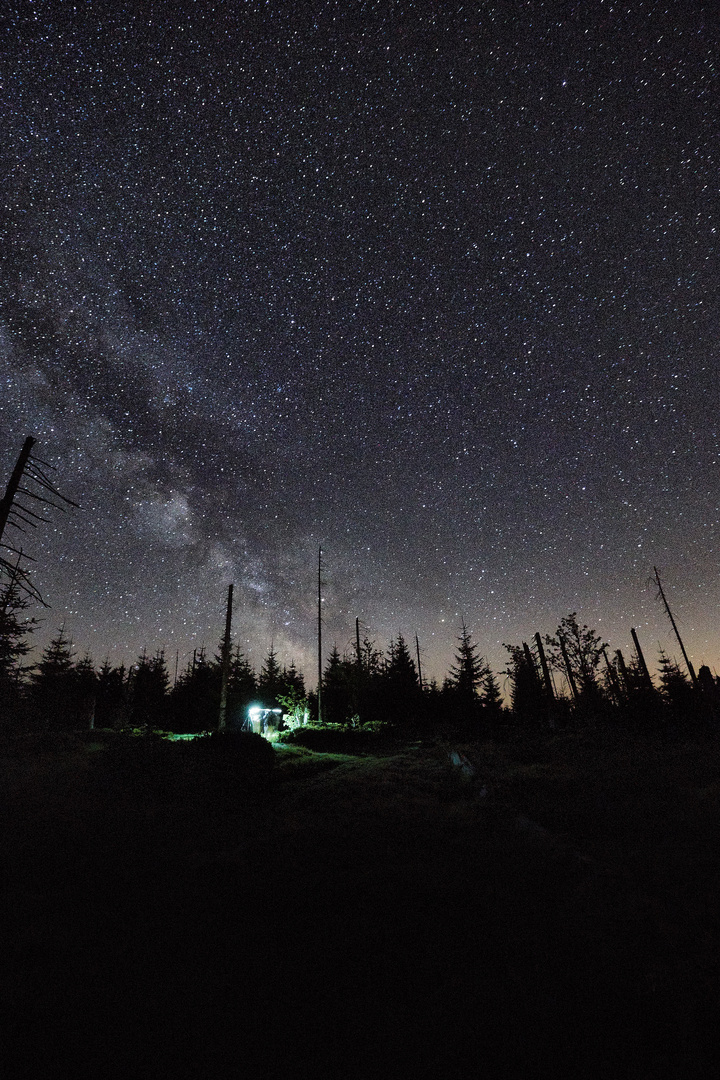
417	650
623	670
319	635
545	669
612	676
641	660
690	668
529	659
222	718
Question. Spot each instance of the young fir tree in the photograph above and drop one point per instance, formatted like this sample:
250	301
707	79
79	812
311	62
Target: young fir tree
293	700
527	693
14	646
461	688
194	701
339	688
270	680
52	685
467	672
242	689
85	692
491	697
149	684
401	689
293	680
111	696
676	689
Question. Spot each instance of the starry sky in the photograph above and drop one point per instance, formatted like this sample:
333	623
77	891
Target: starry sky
432	285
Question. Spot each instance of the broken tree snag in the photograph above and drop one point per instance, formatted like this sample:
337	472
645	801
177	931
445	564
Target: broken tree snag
623	670
545	669
690	668
612	676
641	659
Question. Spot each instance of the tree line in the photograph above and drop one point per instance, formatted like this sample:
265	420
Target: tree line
565	678
562	679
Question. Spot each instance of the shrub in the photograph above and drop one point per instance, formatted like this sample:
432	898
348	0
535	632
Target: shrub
336	738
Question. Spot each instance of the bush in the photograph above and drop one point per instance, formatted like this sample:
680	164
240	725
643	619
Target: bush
336	738
212	770
239	746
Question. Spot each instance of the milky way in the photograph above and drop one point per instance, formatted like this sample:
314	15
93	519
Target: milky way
433	285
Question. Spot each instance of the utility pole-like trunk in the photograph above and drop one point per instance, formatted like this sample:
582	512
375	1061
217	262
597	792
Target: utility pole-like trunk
358	659
14	483
690	668
222	718
319	635
641	659
545	669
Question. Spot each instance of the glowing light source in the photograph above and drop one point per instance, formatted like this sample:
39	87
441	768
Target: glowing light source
261	720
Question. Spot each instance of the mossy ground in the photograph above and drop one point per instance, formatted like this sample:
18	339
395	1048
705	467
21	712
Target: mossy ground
362	916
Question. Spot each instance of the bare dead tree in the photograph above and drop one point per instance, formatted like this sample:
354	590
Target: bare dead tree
319	636
641	660
222	718
28	480
417	649
661	594
549	689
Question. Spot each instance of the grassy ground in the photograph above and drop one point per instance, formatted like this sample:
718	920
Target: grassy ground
362	917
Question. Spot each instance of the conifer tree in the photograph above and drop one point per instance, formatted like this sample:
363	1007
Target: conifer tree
527	693
52	684
85	690
149	684
339	688
491	696
469	668
461	689
270	680
294	700
195	698
676	689
111	696
14	646
293	679
400	690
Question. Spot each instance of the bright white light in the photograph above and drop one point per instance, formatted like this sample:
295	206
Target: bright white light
258	718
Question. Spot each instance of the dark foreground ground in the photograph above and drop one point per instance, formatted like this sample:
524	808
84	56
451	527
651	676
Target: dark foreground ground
362	917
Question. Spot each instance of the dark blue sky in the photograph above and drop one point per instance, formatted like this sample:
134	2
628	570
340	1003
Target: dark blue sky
433	285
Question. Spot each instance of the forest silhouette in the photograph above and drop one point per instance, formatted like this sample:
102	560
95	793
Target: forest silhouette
567	680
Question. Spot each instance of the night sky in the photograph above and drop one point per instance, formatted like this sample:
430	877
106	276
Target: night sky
434	285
